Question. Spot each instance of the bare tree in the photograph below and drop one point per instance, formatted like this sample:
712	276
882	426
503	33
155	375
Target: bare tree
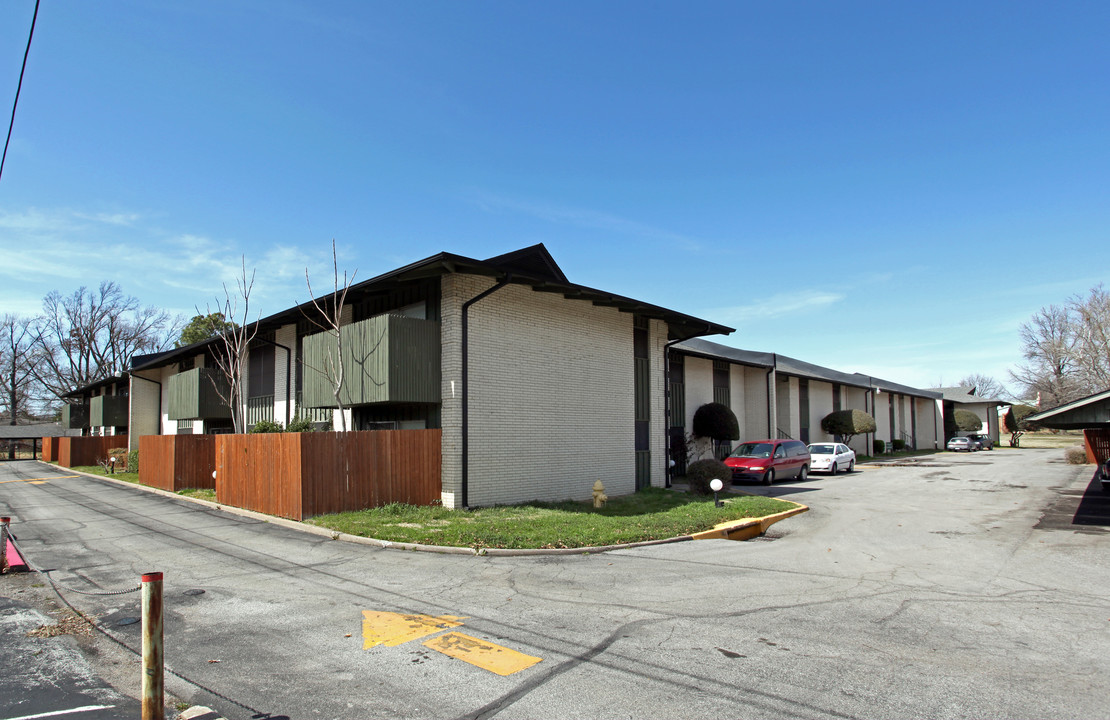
329	317
20	390
985	386
1092	339
91	335
232	343
1066	350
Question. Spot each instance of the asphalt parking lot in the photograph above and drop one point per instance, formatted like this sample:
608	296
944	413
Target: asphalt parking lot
955	587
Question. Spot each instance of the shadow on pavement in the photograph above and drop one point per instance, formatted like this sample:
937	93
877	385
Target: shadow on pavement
1079	510
1094	506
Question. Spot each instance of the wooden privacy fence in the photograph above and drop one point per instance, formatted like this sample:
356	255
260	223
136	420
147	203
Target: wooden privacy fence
50	449
74	451
176	462
1097	441
298	475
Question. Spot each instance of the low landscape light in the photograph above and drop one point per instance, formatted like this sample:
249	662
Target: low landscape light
715	485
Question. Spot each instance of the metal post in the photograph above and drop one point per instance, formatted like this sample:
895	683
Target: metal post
154	704
4	543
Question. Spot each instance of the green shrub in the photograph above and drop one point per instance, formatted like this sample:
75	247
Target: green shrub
967	421
700	472
880	446
898	444
266	426
1076	455
847	423
301	424
133	461
716	421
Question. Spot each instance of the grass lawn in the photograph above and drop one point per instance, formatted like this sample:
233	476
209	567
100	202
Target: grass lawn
895	455
651	514
131	477
1044	440
199	493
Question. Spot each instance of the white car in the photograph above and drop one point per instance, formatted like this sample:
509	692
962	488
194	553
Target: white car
961	444
831	457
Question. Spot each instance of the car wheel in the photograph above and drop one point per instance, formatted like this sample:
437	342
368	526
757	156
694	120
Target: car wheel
769	477
803	473
851	466
832	470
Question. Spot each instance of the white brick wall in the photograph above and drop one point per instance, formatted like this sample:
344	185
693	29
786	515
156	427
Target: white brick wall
856	399
820	405
755	405
284	395
551	396
144	404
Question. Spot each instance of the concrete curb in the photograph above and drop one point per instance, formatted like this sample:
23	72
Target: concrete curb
747	528
718	532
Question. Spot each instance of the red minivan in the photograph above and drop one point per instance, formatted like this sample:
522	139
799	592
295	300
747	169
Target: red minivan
767	460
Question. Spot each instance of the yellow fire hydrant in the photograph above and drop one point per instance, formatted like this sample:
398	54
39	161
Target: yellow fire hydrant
599	494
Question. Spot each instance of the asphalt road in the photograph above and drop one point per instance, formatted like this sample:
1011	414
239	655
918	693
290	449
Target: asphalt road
905	592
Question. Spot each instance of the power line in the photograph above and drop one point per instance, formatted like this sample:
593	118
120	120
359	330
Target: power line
19	87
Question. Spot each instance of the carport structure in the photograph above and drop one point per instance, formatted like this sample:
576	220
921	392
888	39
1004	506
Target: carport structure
17	438
1090	414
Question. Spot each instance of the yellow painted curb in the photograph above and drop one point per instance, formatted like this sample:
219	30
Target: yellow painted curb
747	528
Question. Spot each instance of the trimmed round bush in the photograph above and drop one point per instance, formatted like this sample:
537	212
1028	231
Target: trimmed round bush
898	444
700	472
880	446
1076	455
967	421
716	421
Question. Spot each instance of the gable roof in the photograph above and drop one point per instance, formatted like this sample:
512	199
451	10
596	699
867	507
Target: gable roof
786	365
531	266
1089	412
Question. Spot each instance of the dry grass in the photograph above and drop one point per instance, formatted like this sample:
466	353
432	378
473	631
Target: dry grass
1047	440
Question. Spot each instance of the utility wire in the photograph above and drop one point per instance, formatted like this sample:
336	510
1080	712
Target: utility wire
19	87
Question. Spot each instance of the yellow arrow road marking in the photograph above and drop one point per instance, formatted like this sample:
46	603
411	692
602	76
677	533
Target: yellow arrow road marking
486	655
391	629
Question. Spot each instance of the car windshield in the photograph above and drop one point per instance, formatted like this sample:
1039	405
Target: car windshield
821	449
754	450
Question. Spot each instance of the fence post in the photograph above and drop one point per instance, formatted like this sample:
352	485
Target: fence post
154	704
4	543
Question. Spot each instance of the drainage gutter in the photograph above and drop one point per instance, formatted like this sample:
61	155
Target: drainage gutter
466	384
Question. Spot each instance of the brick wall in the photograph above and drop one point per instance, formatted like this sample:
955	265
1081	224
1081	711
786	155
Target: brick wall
755	405
551	396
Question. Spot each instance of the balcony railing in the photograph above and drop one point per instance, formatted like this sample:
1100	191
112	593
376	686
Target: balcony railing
260	408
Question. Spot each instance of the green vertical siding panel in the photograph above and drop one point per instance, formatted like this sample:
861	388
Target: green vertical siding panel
723	396
414	360
386	358
108	411
75	417
193	396
678	405
642	391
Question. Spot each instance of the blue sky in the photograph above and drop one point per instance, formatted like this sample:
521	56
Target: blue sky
889	188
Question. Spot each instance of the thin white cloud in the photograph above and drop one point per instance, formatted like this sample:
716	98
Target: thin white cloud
780	305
